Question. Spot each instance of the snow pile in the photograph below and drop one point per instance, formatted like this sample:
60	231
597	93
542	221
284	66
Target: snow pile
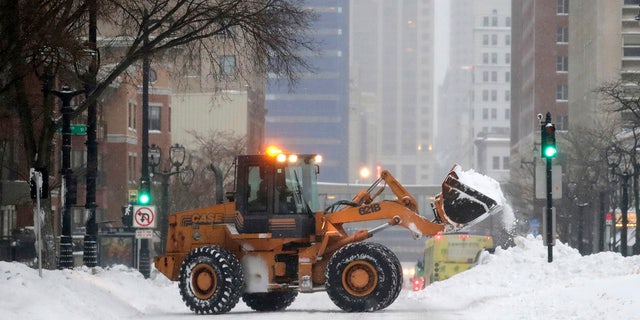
519	283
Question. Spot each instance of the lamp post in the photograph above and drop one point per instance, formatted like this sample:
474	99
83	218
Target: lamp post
573	194
66	245
624	207
177	154
90	254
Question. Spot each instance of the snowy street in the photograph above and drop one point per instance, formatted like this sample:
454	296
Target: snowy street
516	283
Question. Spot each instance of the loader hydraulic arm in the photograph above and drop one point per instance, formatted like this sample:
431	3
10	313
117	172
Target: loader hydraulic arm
403	211
404	197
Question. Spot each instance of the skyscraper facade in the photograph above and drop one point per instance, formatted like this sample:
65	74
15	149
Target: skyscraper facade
313	116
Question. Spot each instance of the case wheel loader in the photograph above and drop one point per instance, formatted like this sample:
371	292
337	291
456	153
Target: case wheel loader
270	241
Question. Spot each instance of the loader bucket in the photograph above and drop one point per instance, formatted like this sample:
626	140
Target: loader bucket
461	205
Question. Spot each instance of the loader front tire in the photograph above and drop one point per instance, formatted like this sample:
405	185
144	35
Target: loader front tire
211	280
363	276
269	301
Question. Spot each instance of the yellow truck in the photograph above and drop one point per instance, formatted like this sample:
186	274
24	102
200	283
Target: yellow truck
446	255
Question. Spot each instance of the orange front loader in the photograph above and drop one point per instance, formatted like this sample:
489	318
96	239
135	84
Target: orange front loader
270	241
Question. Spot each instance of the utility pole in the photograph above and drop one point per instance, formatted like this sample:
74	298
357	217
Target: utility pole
66	243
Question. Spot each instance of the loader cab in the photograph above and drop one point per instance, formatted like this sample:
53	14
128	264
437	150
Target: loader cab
277	194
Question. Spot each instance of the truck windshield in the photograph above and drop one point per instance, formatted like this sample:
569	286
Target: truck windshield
300	194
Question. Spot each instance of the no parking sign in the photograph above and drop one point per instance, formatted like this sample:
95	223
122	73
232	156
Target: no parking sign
144	216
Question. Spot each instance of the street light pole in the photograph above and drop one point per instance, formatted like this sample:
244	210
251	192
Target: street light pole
624	207
90	254
176	158
66	243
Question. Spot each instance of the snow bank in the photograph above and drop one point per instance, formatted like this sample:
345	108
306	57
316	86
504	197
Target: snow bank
519	283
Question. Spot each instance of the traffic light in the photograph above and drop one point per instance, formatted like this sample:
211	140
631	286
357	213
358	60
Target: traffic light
127	215
44	191
548	141
144	194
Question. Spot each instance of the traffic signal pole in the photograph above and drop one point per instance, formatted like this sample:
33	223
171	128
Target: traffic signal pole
549	214
549	151
144	264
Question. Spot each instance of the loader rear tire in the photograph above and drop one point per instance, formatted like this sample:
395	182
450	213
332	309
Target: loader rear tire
363	276
211	280
269	301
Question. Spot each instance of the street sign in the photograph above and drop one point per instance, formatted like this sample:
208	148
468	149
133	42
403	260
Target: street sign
556	182
554	231
76	129
144	233
133	195
144	216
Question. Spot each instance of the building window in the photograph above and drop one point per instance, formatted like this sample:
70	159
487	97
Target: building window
485	95
562	92
485	76
153	76
494	95
131	168
507	39
131	118
505	163
485	21
507	76
485	39
78	158
631	45
485	114
562	35
485	58
562	64
507	21
154	118
494	21
228	66
507	95
494	76
494	39
507	114
563	7
496	163
494	114
494	58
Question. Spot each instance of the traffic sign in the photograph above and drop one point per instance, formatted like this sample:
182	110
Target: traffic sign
76	129
144	216
556	182
144	234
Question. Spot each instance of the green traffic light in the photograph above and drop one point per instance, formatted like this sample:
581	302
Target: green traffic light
144	198
550	152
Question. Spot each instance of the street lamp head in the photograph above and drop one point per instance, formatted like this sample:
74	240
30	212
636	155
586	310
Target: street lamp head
177	154
155	153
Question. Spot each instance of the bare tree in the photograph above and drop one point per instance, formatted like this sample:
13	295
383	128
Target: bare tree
44	41
219	148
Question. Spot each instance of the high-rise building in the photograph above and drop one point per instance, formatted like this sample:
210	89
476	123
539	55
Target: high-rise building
539	75
313	116
474	105
392	49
